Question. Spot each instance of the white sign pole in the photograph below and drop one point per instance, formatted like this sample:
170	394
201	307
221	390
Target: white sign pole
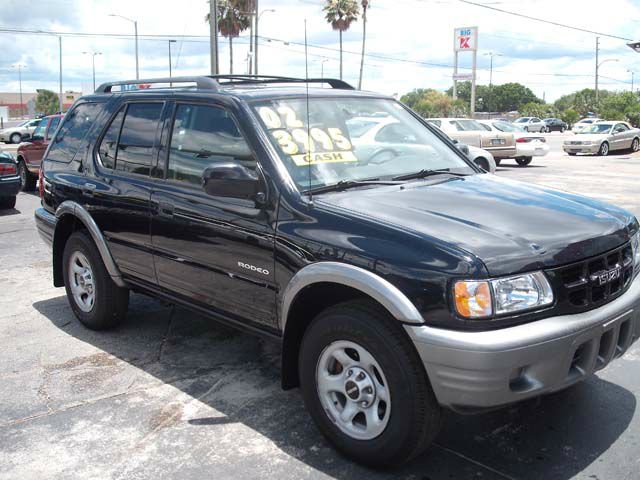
465	39
473	85
455	75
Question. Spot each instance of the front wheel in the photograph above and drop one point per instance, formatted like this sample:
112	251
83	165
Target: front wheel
15	138
365	387
523	162
604	149
94	298
483	163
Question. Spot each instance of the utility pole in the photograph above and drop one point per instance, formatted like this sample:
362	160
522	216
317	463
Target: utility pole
213	36
20	66
60	56
489	103
632	78
170	42
597	67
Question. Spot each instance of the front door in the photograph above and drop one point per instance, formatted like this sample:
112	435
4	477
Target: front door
215	251
34	151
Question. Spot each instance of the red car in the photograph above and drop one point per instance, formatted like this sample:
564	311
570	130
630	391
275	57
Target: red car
30	153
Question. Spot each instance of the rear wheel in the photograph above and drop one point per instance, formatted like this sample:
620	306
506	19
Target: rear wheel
7	202
365	387
95	299
571	154
562	129
635	145
27	180
524	161
526	129
604	149
15	138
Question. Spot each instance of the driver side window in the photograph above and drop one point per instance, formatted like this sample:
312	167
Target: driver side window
203	135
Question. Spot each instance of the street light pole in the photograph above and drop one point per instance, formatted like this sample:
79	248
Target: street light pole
60	56
322	67
255	35
213	36
632	78
93	65
598	65
135	32
20	66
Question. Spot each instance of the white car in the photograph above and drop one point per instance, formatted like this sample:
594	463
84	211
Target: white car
584	123
20	132
376	137
531	124
528	145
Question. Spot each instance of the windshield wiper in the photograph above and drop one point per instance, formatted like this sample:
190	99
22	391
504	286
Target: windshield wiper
424	173
346	184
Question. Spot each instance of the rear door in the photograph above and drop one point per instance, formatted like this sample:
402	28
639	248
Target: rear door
34	151
119	196
215	251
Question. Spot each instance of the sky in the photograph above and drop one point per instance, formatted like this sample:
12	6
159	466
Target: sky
409	42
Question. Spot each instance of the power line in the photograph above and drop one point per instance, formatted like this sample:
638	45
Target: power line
550	22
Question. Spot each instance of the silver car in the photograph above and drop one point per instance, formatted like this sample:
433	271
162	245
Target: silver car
603	137
531	124
20	132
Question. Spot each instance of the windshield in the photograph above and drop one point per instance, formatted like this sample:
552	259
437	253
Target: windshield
507	127
352	139
22	124
586	121
522	120
597	128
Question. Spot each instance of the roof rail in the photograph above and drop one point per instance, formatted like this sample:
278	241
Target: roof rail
213	82
202	83
262	79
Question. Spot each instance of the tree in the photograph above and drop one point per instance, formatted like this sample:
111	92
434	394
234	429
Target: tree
341	14
47	102
234	16
365	6
503	98
570	116
620	106
432	103
541	110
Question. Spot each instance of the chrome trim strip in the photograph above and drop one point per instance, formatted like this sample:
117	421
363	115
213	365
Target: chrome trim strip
70	207
367	282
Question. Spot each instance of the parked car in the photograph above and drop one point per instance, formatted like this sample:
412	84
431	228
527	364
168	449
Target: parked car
470	132
604	137
555	125
528	145
397	285
379	137
9	181
583	123
531	124
29	155
20	132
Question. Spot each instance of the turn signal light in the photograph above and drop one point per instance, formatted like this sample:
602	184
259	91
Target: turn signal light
473	299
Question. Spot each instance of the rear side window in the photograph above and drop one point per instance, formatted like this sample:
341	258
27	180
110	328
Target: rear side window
203	135
137	138
73	130
55	121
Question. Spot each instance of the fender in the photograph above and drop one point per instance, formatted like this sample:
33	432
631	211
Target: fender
388	295
70	207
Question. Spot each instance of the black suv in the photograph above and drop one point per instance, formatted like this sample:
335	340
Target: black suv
399	277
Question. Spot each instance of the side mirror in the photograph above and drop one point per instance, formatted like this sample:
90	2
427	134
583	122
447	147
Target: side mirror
464	148
230	179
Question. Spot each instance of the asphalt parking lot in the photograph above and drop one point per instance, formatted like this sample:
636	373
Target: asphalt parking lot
170	394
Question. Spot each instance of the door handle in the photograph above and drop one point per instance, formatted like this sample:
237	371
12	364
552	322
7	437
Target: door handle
165	209
87	189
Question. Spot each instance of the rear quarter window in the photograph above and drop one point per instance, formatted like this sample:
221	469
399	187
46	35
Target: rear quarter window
71	133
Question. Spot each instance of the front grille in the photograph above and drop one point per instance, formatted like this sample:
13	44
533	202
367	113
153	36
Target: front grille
593	282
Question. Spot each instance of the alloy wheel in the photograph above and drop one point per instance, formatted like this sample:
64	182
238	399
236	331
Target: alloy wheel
81	281
353	390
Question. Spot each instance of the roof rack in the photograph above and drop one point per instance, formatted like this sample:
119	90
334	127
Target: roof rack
217	82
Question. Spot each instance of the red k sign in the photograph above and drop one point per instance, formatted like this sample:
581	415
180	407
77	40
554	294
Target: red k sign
465	39
465	43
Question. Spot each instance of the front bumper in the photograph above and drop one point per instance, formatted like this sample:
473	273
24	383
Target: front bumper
593	148
46	225
472	371
9	186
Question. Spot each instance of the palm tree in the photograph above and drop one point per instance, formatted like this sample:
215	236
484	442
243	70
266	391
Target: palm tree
234	16
365	6
341	14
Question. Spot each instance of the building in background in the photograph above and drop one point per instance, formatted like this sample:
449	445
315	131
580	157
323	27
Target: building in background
11	100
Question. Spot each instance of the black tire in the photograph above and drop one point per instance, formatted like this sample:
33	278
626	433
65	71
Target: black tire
526	129
27	179
15	138
111	302
523	162
635	145
562	129
482	163
498	160
7	202
572	154
415	416
604	149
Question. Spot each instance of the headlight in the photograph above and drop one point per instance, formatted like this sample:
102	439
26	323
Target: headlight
635	248
481	299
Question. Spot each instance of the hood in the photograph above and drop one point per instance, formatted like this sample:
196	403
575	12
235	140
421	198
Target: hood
588	137
510	226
